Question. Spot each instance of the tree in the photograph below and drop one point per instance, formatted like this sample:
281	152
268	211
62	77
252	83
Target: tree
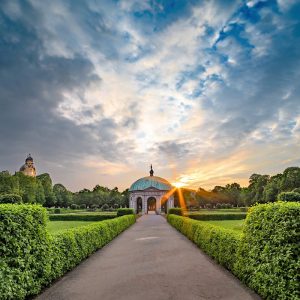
62	195
46	182
290	179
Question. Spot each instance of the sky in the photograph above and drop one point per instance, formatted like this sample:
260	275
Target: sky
96	91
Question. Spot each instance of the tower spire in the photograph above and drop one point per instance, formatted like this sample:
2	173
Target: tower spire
151	171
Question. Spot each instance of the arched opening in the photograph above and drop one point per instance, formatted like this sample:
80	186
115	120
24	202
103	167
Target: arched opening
151	204
139	205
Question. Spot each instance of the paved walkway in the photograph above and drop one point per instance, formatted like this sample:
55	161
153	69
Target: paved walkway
150	260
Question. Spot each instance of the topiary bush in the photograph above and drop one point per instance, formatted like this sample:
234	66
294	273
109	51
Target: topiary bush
289	196
175	211
269	253
56	210
74	206
24	250
10	198
125	211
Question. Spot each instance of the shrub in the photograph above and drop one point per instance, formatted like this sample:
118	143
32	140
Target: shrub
125	211
71	246
268	256
10	198
244	209
82	217
289	196
218	242
57	211
105	207
297	190
31	258
82	206
175	211
211	217
24	250
74	206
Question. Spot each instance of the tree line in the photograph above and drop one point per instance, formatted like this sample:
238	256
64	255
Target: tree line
40	190
261	189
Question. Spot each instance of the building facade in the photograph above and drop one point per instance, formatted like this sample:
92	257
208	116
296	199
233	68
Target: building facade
151	193
28	168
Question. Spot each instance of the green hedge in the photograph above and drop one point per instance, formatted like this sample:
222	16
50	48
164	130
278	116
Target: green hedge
211	217
289	196
24	250
176	211
125	211
71	246
217	242
265	256
31	258
269	252
81	217
10	198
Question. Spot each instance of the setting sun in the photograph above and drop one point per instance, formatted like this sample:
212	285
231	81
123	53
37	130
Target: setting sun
178	184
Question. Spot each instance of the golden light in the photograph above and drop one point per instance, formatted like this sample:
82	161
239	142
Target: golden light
178	184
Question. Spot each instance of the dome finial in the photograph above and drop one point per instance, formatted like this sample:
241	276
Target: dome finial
151	171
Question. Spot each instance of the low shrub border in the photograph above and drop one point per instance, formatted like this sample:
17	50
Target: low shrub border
265	256
81	217
31	258
219	243
212	217
125	211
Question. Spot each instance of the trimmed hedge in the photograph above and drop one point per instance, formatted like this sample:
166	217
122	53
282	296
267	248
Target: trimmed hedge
10	198
70	247
176	211
265	256
24	250
289	196
125	211
211	217
81	217
269	252
31	258
219	243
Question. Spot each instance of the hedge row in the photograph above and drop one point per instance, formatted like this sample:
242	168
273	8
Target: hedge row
31	258
265	256
211	217
125	211
81	217
217	242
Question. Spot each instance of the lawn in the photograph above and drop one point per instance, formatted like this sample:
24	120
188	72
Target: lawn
229	224
57	226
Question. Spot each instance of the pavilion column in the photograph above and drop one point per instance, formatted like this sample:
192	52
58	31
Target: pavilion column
144	204
158	204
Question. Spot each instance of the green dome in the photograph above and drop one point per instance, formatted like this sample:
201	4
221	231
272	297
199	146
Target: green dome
151	181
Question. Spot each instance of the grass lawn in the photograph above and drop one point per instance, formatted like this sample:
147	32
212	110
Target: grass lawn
229	224
57	226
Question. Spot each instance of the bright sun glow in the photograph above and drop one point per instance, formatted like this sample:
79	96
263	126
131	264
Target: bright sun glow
178	184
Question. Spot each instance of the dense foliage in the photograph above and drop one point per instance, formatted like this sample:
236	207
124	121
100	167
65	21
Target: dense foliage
261	189
269	253
24	250
289	196
265	256
31	258
125	211
10	198
40	190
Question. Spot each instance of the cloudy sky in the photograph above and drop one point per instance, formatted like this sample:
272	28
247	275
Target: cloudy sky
206	91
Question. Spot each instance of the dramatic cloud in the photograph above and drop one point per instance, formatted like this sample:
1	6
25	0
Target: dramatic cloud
207	91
